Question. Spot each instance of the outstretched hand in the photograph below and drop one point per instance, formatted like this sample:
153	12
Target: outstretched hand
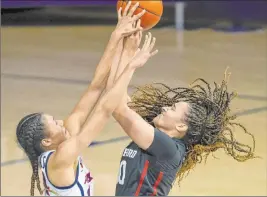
143	55
126	20
132	42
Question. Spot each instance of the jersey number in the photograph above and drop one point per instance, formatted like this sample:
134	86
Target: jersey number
122	172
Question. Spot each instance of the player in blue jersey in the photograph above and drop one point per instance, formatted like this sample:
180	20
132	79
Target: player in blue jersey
54	145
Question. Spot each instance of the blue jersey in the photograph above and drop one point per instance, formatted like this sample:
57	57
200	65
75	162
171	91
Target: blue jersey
82	186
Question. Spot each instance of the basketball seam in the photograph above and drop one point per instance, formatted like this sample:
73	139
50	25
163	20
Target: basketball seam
149	11
126	1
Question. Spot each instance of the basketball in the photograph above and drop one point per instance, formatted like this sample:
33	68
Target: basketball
154	10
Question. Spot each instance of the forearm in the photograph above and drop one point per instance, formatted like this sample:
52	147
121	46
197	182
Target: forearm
134	126
127	55
104	108
87	103
90	97
65	156
104	65
113	97
115	64
125	59
101	113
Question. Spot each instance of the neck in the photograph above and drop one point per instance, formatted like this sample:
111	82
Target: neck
170	133
49	148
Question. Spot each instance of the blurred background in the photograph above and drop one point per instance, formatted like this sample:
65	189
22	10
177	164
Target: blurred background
236	15
49	52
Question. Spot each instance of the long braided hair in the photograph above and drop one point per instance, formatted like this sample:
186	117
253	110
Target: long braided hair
30	132
210	121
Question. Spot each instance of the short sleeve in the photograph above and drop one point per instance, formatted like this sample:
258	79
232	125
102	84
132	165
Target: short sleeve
163	146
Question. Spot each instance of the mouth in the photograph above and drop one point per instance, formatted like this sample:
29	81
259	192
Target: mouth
158	116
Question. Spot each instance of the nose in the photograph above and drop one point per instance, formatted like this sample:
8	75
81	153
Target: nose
164	109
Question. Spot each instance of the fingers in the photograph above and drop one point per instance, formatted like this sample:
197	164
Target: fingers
152	44
139	36
136	52
139	33
154	53
141	56
149	44
119	13
147	41
135	24
127	8
139	15
132	31
135	55
146	37
138	23
133	9
138	29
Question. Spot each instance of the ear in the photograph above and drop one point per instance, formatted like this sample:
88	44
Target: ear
46	142
181	127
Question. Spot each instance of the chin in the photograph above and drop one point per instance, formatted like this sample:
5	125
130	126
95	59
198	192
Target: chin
155	122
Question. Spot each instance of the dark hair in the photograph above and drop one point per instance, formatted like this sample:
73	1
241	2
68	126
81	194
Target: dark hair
30	132
210	122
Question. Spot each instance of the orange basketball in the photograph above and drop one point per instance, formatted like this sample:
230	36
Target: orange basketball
154	10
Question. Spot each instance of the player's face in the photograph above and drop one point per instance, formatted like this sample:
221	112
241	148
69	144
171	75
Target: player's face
172	118
55	131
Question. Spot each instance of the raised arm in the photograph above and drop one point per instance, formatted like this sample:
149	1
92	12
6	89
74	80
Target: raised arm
126	51
143	134
114	66
84	107
68	151
122	56
132	123
65	156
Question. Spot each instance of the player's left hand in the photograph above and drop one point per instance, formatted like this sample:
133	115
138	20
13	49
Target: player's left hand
143	55
132	42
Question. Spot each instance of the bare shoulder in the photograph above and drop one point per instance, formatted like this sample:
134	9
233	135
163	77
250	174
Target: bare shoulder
60	175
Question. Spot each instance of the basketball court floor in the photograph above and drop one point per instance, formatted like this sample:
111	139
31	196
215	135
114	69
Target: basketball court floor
48	68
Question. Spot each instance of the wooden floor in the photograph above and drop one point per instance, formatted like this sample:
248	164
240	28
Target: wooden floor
48	68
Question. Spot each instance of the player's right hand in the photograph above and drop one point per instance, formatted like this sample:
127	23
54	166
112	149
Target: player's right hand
143	55
126	20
